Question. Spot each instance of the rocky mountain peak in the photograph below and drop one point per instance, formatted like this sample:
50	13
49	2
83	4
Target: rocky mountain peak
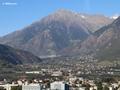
62	10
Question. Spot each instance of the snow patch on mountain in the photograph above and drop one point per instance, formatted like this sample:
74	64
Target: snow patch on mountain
82	16
115	16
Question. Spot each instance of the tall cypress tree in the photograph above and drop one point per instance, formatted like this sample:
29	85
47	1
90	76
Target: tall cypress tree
99	86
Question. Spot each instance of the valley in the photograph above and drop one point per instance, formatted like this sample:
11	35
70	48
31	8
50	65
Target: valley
75	44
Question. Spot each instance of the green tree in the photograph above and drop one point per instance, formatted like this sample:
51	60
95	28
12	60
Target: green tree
83	85
16	88
106	87
108	80
87	87
2	88
80	82
116	88
99	85
76	81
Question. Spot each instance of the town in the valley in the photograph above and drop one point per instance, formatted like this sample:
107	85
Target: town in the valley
71	76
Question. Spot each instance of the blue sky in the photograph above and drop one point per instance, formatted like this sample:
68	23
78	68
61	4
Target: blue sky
16	14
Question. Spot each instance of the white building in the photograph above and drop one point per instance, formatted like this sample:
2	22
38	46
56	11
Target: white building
59	86
57	73
19	82
72	79
32	87
115	85
32	72
110	88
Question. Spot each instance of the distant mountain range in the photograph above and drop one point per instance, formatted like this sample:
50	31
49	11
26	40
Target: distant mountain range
10	57
56	32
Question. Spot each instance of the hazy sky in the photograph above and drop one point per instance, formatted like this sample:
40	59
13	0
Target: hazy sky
16	14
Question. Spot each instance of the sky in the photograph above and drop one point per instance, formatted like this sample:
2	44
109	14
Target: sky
17	14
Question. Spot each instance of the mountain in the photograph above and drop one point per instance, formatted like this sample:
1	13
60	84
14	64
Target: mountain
55	32
115	16
111	49
105	42
8	37
10	56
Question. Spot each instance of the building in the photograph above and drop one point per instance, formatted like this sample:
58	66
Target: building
59	86
57	73
32	87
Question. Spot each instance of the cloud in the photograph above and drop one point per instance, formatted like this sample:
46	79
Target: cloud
9	3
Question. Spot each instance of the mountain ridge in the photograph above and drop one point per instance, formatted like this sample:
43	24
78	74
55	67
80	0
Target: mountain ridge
56	32
10	56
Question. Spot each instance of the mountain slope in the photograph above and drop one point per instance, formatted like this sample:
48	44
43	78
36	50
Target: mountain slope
8	37
10	56
111	49
104	42
57	31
